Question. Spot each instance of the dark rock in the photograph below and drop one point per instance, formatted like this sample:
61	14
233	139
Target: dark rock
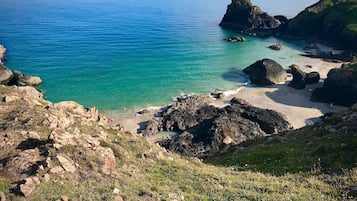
240	101
5	74
352	191
151	128
218	94
298	81
187	112
265	72
276	47
245	17
312	78
235	39
210	130
271	122
340	87
20	79
144	111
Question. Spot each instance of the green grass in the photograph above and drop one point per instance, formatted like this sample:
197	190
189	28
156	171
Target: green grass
300	151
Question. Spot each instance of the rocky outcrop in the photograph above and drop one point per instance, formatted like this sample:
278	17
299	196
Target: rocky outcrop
265	72
276	47
243	16
20	79
235	39
298	81
39	139
5	74
301	79
312	77
205	129
340	87
2	53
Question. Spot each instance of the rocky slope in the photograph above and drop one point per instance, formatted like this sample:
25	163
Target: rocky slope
64	151
333	21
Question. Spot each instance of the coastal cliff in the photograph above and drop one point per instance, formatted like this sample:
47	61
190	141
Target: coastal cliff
334	22
243	16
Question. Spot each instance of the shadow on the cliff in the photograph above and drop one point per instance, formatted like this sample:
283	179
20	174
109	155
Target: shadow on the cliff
235	75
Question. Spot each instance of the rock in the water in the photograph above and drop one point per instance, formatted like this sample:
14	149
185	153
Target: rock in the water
312	78
340	87
265	72
245	17
5	74
276	47
235	39
20	79
298	81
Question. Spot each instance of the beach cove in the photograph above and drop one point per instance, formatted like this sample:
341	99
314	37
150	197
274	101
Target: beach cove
132	57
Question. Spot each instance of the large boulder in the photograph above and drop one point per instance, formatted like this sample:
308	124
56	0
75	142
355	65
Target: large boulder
312	77
5	74
245	17
340	87
211	130
298	81
266	72
20	79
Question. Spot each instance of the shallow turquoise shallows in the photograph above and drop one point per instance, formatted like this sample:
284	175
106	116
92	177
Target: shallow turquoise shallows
125	54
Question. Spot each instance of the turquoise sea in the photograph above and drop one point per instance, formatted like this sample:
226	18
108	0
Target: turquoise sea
125	54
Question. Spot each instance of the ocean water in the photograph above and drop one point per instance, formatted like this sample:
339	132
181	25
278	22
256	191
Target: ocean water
125	54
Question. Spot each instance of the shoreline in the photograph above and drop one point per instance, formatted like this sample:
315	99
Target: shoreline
294	104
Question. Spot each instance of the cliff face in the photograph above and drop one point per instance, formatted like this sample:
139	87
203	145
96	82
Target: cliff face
333	21
245	17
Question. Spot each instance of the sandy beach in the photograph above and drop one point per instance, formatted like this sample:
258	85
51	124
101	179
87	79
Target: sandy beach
294	104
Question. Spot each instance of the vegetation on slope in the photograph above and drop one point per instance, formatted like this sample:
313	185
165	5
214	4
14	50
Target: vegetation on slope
328	147
334	21
141	171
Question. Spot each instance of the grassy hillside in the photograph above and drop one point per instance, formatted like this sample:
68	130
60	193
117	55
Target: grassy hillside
329	147
143	171
333	21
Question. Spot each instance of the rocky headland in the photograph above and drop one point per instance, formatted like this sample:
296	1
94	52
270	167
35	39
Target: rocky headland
331	22
243	16
15	77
